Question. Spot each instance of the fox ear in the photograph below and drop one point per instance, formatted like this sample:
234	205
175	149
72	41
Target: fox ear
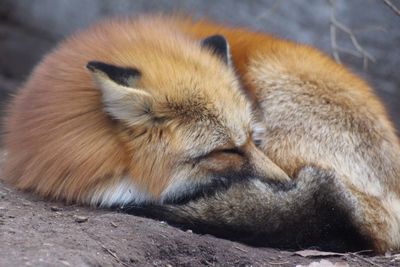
119	75
120	99
219	46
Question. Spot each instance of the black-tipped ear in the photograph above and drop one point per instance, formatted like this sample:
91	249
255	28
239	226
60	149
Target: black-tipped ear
120	96
219	45
120	75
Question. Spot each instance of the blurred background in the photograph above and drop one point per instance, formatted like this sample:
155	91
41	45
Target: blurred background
362	34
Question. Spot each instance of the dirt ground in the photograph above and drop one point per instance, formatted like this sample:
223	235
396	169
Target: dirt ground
38	233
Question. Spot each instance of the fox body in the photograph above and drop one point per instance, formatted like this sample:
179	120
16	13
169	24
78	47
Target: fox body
153	115
159	115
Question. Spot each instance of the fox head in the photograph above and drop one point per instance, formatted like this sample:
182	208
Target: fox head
185	122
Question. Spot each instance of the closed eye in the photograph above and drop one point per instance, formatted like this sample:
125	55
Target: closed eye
233	150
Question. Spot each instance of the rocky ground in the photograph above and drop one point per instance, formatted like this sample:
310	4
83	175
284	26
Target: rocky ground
39	233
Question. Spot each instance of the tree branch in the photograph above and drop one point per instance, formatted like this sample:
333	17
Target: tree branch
359	50
392	7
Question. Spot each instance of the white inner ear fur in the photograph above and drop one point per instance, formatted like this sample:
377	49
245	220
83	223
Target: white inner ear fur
258	132
130	105
229	57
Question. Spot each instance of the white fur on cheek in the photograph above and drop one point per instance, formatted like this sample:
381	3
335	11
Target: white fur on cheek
176	189
119	194
180	186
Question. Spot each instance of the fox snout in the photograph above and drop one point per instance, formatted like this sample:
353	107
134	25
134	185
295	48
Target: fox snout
261	166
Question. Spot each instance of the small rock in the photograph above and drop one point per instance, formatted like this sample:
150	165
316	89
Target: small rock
80	219
157	263
54	208
189	231
66	263
113	224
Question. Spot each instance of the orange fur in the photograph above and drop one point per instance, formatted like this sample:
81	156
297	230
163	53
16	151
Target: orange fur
62	145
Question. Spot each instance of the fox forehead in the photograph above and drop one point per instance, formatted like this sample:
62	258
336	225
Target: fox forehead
189	84
195	86
204	125
172	65
223	104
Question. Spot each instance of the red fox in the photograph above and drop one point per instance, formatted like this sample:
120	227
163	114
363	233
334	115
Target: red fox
169	110
145	121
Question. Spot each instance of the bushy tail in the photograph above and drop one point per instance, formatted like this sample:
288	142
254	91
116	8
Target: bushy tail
316	210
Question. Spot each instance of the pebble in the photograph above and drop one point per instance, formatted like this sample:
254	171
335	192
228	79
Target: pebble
80	219
66	263
54	208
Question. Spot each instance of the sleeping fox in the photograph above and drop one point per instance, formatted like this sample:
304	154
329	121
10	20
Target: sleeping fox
234	130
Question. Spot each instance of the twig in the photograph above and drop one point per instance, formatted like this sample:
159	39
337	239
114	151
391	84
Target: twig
371	28
335	49
348	51
366	260
278	263
359	50
115	256
363	251
238	248
392	7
